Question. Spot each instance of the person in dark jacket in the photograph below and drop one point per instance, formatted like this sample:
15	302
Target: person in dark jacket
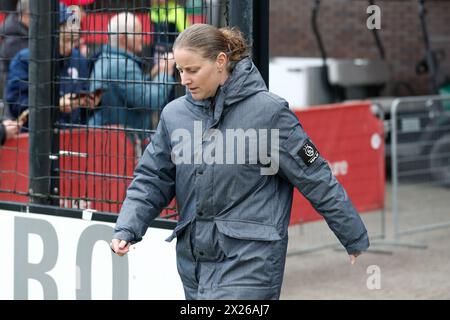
73	74
13	37
231	153
168	19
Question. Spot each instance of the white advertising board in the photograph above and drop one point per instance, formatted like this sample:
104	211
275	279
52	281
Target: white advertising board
50	257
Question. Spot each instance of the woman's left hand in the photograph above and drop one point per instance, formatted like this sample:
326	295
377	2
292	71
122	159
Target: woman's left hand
353	257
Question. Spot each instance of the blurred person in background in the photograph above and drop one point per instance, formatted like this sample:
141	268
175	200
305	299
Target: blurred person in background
13	37
81	4
168	19
73	73
129	97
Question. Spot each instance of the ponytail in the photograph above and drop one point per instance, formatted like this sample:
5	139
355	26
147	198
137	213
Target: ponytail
237	46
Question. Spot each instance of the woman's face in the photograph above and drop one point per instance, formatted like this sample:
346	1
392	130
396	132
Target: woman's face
201	76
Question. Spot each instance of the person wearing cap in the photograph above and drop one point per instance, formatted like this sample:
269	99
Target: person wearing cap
72	68
80	4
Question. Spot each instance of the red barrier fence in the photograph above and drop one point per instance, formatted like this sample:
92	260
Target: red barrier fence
14	159
95	166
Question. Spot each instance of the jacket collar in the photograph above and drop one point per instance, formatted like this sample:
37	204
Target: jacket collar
108	50
243	82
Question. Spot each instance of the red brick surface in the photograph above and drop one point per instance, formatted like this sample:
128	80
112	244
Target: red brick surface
344	31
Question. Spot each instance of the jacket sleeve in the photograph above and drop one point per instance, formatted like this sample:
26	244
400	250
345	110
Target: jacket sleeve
140	91
151	190
16	92
301	163
98	79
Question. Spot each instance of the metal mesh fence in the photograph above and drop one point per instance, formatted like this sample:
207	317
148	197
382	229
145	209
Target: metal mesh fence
422	126
420	163
84	93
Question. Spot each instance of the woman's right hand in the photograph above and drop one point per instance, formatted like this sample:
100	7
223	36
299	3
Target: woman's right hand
120	247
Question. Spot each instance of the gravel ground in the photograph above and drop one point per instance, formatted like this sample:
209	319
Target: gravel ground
405	271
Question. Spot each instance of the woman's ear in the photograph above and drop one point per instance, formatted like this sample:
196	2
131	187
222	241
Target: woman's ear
221	61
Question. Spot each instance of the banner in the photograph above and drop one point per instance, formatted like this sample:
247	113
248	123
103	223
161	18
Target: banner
50	257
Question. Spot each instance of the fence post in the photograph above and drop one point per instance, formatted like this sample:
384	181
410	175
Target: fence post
252	18
41	98
261	37
394	167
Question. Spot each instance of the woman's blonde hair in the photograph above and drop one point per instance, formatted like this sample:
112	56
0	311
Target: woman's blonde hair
209	41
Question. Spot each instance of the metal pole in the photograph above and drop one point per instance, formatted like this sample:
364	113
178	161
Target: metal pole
394	167
40	98
261	38
252	18
376	36
429	54
241	16
316	31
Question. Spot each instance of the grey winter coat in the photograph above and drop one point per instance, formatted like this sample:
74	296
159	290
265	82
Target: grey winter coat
233	228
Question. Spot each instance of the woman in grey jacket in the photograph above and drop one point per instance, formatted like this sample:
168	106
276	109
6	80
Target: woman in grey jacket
231	153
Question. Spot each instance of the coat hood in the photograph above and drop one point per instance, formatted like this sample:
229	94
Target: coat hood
243	82
109	51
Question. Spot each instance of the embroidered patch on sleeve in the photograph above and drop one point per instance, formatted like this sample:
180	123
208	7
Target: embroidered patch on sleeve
309	153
